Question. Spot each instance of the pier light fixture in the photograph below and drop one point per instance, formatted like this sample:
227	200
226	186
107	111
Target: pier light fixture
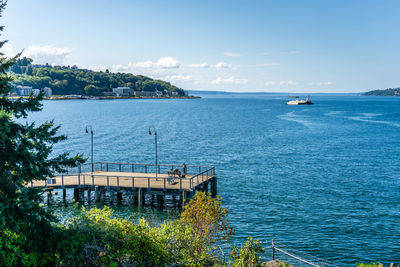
91	143
155	142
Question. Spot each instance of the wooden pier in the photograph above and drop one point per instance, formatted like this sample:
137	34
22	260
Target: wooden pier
135	179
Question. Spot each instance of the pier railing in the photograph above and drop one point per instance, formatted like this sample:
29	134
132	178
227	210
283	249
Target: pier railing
83	176
135	167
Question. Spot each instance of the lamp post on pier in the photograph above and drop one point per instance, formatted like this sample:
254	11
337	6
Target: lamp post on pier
155	141
91	143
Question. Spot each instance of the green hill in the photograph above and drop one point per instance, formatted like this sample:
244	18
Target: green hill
68	80
385	92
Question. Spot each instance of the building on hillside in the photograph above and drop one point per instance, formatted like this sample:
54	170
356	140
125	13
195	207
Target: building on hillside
35	92
123	91
109	94
145	94
23	90
47	91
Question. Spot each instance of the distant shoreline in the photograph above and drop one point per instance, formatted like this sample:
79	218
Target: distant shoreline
106	97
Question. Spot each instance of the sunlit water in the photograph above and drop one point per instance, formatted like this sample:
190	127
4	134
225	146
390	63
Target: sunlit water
323	179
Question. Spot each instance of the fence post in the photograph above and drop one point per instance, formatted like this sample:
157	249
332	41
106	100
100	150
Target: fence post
273	249
107	166
119	167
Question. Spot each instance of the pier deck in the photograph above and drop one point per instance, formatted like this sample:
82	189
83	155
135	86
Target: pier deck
139	179
125	180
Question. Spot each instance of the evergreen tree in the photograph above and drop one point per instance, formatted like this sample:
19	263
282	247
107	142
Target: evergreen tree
25	155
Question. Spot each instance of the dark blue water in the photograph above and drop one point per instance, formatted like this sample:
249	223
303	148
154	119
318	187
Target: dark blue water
324	179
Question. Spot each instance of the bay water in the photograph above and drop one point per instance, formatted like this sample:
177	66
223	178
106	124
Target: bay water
323	179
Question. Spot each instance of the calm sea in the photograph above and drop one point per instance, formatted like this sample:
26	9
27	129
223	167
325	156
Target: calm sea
323	179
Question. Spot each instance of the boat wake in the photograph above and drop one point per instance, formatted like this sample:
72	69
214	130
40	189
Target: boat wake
369	117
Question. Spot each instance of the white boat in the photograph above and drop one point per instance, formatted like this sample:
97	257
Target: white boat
307	101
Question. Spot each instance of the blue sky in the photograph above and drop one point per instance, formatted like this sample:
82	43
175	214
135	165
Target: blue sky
270	46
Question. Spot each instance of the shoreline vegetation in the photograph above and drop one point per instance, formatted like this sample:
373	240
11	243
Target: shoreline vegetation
79	97
384	92
73	82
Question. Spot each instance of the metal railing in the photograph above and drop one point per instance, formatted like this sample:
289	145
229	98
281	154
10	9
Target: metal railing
85	177
297	258
134	167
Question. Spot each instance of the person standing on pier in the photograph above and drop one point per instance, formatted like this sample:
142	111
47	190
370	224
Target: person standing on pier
184	169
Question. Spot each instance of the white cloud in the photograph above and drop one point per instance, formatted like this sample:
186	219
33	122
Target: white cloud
269	64
291	52
275	83
199	65
168	62
230	80
325	83
230	54
47	54
264	53
163	62
222	65
144	64
178	78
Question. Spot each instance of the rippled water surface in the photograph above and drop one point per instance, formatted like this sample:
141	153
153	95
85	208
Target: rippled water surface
323	179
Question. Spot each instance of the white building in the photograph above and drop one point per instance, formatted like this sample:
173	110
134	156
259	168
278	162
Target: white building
35	92
47	92
123	91
145	94
24	90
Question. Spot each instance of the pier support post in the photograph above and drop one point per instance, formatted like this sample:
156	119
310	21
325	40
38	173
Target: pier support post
49	196
214	187
206	187
111	194
76	194
140	196
119	198
64	193
89	194
160	200
97	194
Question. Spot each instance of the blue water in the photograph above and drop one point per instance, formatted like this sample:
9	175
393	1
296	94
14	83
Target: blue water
323	179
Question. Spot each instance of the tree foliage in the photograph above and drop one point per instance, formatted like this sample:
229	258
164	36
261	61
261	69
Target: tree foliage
67	80
208	219
25	155
247	255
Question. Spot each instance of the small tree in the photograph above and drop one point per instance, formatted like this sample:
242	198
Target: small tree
248	254
208	220
25	151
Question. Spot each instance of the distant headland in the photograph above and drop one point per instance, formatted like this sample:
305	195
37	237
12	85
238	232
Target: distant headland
71	82
384	92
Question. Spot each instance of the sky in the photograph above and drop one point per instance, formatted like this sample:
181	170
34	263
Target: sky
240	46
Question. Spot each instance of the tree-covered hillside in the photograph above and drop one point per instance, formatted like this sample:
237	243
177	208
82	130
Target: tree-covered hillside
66	80
385	92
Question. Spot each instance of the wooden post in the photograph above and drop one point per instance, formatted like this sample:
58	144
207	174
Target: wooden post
140	197
214	187
76	194
64	194
273	249
49	195
89	194
160	200
206	187
111	194
97	194
119	198
183	198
